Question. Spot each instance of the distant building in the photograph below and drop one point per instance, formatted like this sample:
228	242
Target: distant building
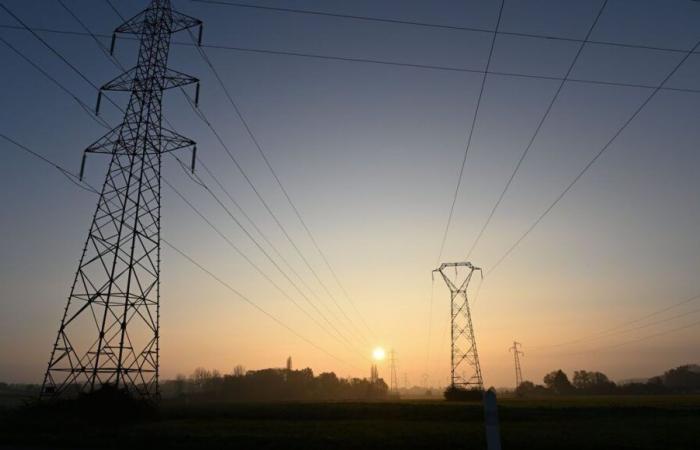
374	374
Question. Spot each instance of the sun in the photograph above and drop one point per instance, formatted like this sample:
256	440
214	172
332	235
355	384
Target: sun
378	353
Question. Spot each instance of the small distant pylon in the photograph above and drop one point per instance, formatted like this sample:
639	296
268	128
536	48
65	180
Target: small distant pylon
517	353
465	370
394	382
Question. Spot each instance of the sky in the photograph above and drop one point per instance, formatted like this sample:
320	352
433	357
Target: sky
370	154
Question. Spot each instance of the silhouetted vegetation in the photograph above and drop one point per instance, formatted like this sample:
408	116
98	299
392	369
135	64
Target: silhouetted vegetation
273	385
457	394
681	380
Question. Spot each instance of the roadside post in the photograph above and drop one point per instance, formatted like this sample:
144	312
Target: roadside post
493	432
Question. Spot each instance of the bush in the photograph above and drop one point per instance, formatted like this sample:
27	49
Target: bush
457	394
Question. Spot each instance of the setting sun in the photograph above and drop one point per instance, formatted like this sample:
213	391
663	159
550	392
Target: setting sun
378	353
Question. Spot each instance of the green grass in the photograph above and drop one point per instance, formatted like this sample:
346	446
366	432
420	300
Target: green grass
650	422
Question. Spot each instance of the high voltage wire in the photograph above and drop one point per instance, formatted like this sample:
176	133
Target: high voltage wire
256	306
201	115
251	262
87	186
592	161
537	129
272	261
376	61
437	26
56	52
643	338
82	104
74	68
623	326
656	89
471	133
256	142
255	190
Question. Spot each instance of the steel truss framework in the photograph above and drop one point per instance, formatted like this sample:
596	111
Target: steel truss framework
109	333
517	353
465	368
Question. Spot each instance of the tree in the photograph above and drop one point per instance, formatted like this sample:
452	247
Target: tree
558	382
180	384
683	378
238	371
592	382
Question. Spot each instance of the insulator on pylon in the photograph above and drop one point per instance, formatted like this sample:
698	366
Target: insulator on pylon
114	41
99	100
199	37
196	95
194	157
82	166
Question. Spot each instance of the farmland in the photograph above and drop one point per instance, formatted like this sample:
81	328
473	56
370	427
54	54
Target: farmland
633	422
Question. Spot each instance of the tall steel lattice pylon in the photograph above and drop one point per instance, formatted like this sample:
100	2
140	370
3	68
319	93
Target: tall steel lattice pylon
109	332
517	353
465	368
393	379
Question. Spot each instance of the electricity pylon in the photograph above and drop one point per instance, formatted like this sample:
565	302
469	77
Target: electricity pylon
394	381
517	353
109	333
465	368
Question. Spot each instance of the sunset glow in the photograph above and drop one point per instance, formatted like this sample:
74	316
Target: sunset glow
378	354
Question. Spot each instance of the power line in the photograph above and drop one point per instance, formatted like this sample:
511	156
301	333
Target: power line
643	338
471	133
114	61
311	236
116	11
200	114
57	53
269	258
256	306
623	326
438	26
289	200
87	186
247	258
592	161
377	61
537	129
82	104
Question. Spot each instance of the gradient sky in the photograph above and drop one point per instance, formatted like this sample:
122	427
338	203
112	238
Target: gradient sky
370	154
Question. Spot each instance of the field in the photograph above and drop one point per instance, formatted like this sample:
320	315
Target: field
651	422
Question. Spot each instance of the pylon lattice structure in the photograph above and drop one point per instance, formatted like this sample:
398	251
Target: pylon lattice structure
109	333
394	380
517	353
465	369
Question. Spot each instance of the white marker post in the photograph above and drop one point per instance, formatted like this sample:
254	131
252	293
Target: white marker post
493	432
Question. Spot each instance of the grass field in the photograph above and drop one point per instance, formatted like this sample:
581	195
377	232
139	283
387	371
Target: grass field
651	422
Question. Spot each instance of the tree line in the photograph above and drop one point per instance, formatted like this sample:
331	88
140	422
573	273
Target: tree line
681	380
272	385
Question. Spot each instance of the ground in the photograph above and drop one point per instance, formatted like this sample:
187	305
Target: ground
650	422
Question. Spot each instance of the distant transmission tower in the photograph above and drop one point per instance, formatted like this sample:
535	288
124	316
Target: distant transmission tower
517	353
465	368
109	332
394	382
